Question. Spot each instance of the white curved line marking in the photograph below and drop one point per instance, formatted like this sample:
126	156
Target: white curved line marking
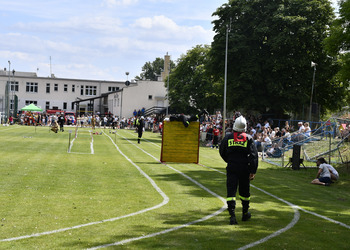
223	208
165	201
291	224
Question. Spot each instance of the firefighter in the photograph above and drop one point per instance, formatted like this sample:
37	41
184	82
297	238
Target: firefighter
139	125
238	150
185	119
61	122
54	126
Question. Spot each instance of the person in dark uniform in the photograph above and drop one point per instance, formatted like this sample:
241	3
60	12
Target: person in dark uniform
238	150
185	119
61	122
139	125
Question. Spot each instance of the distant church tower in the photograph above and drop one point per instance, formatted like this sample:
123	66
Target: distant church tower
166	70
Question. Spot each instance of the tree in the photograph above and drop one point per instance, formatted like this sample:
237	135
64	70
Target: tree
151	70
190	86
271	46
338	45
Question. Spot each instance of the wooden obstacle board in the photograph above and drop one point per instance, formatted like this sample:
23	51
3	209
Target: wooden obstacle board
180	144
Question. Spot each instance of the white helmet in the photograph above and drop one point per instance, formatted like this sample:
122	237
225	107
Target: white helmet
240	124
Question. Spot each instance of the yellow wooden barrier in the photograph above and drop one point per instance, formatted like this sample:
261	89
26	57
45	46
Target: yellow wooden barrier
180	144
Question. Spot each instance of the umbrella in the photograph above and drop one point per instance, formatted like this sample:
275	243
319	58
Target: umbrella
31	107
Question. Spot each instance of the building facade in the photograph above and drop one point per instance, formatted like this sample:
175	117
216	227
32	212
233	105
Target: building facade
18	89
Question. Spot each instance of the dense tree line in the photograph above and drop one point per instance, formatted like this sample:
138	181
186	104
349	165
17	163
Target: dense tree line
271	45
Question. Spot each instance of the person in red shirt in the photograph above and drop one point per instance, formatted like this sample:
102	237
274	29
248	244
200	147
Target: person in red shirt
216	133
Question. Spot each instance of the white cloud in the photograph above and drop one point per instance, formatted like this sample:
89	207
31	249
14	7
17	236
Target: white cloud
98	24
113	3
161	27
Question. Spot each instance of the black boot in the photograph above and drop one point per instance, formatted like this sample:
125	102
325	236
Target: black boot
138	141
245	214
231	205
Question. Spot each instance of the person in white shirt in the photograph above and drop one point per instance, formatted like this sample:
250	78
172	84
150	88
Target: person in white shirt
307	129
332	170
323	175
301	127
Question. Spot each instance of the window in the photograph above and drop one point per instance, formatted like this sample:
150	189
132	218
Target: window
12	104
150	97
48	88
65	88
73	88
112	89
82	90
72	106
90	107
14	86
55	88
29	102
47	105
32	87
90	90
64	105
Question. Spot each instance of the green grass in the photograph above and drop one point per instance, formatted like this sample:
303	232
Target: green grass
44	188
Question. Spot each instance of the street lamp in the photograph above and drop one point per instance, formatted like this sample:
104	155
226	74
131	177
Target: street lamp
312	88
228	27
12	89
167	106
7	95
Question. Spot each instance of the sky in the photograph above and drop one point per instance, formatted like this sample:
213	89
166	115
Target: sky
100	39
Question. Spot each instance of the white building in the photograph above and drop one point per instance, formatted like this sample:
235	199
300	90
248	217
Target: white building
78	95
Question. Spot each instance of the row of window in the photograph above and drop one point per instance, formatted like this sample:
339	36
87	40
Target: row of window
32	87
47	104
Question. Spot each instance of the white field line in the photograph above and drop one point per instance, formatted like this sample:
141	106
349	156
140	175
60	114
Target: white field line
164	202
223	208
288	203
91	146
71	144
290	225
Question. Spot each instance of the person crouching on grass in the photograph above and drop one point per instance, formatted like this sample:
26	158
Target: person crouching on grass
323	175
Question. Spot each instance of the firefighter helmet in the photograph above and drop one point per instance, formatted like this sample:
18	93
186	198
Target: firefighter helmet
240	124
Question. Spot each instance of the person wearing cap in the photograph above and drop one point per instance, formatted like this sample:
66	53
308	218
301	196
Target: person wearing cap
238	150
139	125
301	127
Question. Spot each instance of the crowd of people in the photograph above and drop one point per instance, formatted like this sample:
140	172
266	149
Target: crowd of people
262	131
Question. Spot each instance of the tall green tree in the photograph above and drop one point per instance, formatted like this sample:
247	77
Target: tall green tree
151	70
191	86
338	45
271	46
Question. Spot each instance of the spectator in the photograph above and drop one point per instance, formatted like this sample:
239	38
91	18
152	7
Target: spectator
266	124
307	129
334	173
301	127
323	175
216	133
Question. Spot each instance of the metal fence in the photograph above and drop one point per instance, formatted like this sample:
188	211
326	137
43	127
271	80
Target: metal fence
330	140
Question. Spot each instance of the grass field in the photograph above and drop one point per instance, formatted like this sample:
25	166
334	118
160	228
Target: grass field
110	192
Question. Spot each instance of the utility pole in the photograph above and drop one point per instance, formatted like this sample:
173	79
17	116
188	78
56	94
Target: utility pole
228	28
